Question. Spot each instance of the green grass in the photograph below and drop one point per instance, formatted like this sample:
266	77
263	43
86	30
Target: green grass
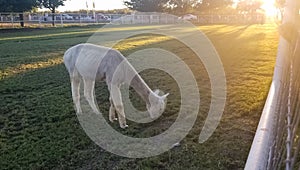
39	128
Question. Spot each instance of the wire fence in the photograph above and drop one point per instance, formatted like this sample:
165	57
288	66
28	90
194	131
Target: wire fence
284	149
10	20
276	143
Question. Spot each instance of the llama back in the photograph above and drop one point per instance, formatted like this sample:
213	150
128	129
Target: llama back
92	61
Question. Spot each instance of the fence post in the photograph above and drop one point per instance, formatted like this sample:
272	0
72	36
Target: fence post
133	19
61	20
80	18
12	19
40	25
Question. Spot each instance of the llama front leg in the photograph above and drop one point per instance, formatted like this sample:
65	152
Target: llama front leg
89	86
112	111
117	100
75	85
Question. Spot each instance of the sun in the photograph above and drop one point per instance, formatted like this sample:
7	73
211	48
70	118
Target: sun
269	7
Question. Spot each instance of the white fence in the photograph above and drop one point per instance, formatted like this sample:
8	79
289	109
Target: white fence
276	144
44	19
13	19
61	19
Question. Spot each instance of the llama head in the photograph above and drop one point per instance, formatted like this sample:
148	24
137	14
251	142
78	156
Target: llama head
157	104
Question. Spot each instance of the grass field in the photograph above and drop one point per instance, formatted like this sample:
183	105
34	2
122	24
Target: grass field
39	128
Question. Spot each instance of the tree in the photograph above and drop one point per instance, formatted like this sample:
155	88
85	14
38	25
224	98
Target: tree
181	7
279	4
19	6
52	5
213	5
146	5
249	6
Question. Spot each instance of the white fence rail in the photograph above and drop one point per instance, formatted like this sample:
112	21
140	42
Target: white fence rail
44	19
61	19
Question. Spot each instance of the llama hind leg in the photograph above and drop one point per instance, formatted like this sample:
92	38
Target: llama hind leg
89	86
117	100
112	111
75	85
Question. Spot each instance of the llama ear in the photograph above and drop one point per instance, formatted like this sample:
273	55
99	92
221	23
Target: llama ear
165	96
156	91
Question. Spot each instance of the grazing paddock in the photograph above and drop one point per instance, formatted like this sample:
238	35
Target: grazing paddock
39	128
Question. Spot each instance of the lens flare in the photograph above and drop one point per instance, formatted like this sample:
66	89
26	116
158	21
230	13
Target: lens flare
269	7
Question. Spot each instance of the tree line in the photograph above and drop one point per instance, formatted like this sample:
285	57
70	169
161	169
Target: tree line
176	7
181	7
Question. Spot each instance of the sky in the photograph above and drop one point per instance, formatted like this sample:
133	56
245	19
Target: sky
74	5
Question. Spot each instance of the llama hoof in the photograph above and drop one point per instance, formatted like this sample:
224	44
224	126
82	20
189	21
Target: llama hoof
124	126
112	120
176	144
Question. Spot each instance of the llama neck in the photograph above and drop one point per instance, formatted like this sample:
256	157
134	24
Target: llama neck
139	85
132	78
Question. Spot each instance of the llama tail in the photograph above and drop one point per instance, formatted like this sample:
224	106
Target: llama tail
70	58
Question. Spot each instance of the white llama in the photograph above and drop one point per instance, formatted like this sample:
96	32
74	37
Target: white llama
91	62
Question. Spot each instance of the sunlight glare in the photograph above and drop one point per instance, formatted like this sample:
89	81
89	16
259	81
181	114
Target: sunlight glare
269	7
